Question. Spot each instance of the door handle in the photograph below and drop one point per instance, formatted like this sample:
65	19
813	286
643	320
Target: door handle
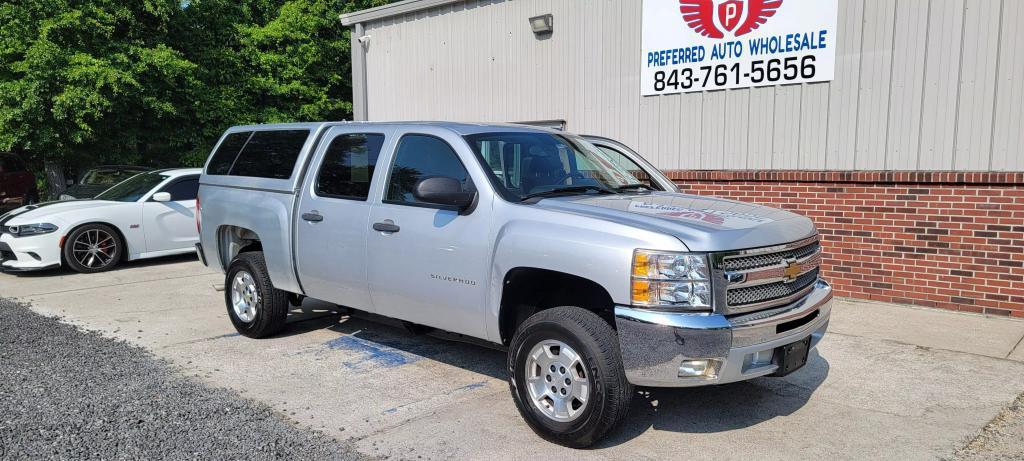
312	216
386	226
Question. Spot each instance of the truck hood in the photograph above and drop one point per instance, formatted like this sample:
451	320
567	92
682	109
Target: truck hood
701	223
49	211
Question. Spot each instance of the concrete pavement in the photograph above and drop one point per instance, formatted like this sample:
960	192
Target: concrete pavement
888	382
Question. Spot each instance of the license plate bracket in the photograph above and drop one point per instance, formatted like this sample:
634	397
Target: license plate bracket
791	357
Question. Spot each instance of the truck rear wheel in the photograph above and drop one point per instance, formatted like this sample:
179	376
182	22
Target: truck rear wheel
566	376
256	308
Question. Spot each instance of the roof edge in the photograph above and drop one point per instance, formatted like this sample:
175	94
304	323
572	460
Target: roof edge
393	9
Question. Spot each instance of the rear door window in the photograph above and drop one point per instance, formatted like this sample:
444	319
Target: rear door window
348	166
270	154
260	154
227	152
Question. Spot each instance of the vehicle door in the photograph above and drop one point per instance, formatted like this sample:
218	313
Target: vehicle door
334	213
430	264
172	225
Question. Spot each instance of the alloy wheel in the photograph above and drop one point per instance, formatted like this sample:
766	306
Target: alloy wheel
245	297
557	380
94	249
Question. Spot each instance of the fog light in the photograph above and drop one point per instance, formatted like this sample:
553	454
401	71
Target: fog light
707	368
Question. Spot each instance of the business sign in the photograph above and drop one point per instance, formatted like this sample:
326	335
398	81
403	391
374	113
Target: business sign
703	45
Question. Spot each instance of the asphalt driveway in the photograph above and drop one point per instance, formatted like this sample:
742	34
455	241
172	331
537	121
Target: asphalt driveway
888	382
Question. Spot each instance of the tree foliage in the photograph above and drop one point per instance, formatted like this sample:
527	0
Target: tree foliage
155	82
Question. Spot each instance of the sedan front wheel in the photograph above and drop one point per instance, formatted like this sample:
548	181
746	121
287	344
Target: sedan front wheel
93	248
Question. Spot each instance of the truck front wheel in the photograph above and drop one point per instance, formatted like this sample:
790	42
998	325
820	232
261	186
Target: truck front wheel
566	376
256	308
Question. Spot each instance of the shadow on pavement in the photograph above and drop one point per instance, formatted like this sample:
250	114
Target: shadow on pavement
711	409
124	265
685	410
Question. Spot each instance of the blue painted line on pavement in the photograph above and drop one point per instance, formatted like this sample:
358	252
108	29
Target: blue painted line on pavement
372	354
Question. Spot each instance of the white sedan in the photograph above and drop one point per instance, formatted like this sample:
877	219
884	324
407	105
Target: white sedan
148	215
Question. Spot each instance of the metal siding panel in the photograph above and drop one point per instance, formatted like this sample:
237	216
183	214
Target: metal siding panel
1008	130
813	126
907	85
938	108
681	131
737	116
760	136
875	77
842	126
786	127
714	127
977	85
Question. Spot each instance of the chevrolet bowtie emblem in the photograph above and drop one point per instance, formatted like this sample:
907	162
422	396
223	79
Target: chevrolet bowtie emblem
792	271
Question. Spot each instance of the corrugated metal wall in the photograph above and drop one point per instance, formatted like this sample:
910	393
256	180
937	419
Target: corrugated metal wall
920	85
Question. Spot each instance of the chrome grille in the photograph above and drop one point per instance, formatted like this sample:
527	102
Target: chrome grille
738	297
744	263
766	278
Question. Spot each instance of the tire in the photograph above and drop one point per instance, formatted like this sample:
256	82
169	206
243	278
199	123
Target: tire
261	311
31	198
595	343
93	248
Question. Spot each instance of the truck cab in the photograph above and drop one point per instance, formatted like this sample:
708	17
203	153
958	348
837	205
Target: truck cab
590	267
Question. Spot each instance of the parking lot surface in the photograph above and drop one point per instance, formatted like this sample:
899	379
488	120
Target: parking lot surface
69	394
888	382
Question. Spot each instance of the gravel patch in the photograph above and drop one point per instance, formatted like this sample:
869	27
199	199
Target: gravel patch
1000	440
70	394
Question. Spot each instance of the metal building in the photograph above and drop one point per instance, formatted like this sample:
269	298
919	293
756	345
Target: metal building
926	107
921	84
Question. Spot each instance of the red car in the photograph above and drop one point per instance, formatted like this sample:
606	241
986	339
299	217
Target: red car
17	184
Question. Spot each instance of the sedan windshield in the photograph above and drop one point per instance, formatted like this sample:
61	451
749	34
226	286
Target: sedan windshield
529	164
133	189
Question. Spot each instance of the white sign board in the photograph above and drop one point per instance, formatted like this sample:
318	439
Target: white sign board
703	45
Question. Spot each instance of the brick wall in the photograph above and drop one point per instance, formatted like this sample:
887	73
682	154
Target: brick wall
947	240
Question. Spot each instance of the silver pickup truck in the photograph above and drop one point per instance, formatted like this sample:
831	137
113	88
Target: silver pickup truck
574	253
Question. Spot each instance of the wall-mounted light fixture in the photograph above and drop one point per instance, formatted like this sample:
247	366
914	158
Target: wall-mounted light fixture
542	25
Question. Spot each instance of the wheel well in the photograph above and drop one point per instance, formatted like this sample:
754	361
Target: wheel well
120	236
234	240
527	290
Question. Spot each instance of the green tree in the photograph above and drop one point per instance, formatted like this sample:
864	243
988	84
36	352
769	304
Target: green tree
155	82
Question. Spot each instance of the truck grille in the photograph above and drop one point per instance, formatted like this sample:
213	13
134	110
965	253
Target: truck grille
738	297
745	263
768	277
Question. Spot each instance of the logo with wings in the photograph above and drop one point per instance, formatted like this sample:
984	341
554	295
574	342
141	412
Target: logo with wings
715	18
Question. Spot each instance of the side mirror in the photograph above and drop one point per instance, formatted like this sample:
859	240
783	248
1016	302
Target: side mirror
442	190
162	197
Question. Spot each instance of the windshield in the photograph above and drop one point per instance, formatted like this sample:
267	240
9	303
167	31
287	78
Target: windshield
107	177
525	164
133	189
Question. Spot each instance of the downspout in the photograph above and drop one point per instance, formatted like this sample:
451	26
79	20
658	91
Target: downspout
360	111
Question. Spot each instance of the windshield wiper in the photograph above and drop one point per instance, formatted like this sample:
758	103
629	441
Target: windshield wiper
634	186
568	190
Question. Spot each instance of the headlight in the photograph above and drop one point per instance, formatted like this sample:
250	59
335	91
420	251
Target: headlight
671	280
26	230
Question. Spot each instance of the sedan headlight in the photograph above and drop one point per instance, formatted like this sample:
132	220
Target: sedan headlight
671	280
26	230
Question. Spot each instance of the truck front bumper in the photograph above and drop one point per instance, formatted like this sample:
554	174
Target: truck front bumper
665	349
